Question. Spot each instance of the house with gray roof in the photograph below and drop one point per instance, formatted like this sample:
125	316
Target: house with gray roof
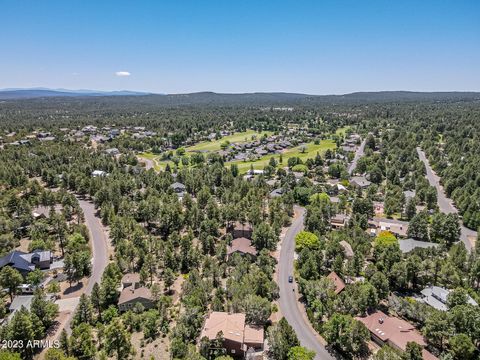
409	194
112	151
179	188
18	302
276	193
26	262
436	297
99	173
360	181
408	245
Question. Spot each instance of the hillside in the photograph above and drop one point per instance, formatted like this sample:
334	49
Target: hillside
260	98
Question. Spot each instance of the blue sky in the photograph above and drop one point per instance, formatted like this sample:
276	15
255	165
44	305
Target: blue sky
316	47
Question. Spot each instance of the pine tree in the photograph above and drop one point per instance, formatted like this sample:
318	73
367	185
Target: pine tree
84	313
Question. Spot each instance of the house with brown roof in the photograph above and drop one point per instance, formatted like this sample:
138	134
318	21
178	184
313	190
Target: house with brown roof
240	229
130	296
131	279
394	332
337	281
338	221
238	336
397	227
241	246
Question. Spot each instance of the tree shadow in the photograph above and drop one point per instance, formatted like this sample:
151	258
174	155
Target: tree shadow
72	289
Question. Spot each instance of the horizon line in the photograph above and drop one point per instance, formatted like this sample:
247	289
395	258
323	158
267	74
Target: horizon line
144	92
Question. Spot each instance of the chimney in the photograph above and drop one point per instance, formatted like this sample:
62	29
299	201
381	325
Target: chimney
380	320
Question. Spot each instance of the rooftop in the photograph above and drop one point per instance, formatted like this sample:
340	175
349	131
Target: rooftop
347	249
231	325
242	245
130	293
436	297
392	329
337	281
408	245
131	278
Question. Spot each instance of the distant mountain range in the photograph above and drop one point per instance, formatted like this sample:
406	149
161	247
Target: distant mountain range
17	93
258	98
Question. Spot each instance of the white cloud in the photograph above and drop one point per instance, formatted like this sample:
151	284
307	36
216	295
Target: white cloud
122	73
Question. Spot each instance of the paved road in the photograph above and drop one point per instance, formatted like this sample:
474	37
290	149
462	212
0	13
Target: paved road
358	154
99	238
289	305
444	203
98	235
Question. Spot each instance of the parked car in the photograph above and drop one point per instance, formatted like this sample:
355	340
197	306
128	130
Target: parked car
290	279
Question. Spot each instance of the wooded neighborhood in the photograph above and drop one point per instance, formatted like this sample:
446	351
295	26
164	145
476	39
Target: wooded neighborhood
135	229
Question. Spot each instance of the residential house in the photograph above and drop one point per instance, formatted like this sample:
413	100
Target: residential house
348	148
18	302
241	246
130	296
397	227
436	297
276	193
394	332
334	199
347	249
238	336
44	211
179	188
131	279
360	181
261	152
337	281
408	245
99	173
338	221
26	262
240	229
255	172
112	151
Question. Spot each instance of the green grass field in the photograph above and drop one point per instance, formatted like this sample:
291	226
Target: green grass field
244	166
310	152
240	137
341	131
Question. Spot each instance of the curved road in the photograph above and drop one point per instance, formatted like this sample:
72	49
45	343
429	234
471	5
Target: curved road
288	302
444	203
358	154
98	235
99	244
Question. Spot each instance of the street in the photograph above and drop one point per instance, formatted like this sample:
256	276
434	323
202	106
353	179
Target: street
358	154
99	243
288	302
445	204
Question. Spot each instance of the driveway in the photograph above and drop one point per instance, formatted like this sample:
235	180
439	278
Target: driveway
444	203
149	164
288	301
